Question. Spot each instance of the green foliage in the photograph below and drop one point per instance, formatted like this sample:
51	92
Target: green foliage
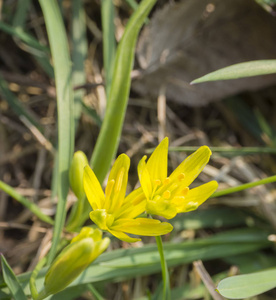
246	69
12	281
248	285
62	67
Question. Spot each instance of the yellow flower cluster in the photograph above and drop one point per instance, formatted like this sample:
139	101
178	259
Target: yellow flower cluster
158	195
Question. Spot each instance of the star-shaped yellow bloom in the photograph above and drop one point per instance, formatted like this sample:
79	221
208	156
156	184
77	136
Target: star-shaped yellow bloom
167	196
115	213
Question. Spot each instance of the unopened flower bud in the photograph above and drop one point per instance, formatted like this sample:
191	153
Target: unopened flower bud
79	161
74	259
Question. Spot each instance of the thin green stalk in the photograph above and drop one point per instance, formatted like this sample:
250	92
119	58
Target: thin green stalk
244	186
165	273
20	15
109	137
25	37
79	54
109	42
94	292
35	272
230	150
62	68
27	203
16	105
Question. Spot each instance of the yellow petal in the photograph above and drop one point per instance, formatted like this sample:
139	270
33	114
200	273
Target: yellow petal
130	211
158	161
118	173
124	237
144	177
161	208
197	196
93	189
192	166
101	218
99	248
143	226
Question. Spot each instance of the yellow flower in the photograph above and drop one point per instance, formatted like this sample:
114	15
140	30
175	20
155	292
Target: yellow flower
115	213
167	196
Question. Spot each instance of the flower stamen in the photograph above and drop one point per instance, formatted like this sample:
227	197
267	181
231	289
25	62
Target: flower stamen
181	176
167	194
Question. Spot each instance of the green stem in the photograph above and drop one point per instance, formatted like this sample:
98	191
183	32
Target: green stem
94	292
35	272
244	186
165	273
227	150
109	136
27	203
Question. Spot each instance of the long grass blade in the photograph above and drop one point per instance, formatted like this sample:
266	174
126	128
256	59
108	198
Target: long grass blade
17	107
225	150
109	43
62	67
79	54
21	13
24	201
25	37
109	137
246	69
133	262
11	281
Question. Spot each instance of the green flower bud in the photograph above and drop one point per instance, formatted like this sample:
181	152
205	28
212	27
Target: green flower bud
74	259
79	161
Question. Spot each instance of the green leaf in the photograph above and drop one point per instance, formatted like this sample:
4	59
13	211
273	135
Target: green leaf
109	137
249	285
241	70
16	105
25	37
109	42
62	67
79	54
124	264
24	201
11	281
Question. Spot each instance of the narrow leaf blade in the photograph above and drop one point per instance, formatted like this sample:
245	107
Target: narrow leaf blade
241	70
11	281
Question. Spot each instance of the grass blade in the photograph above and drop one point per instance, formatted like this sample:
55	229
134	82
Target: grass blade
79	54
129	263
21	13
62	67
225	150
248	285
244	186
109	43
108	140
17	107
24	201
11	281
132	3
25	37
246	69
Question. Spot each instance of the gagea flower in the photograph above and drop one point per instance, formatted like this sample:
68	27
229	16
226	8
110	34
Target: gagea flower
115	213
167	196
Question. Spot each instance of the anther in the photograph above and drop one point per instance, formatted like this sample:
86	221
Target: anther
185	191
166	194
157	182
167	181
181	176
